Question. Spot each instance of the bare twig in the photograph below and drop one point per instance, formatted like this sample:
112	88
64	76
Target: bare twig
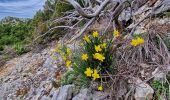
51	30
82	31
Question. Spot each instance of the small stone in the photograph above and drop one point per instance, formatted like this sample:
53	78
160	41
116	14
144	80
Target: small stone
143	91
159	75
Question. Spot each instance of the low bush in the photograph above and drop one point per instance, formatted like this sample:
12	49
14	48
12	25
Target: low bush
161	88
19	48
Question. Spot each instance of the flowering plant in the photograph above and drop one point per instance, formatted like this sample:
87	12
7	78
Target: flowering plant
94	61
95	58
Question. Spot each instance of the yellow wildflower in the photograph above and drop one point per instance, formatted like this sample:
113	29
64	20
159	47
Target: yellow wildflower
86	38
95	34
97	48
88	72
98	56
68	51
95	75
116	33
68	63
104	45
136	42
84	57
100	88
140	40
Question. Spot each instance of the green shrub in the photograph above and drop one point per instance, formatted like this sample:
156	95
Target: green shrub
1	48
19	48
68	78
8	40
60	8
161	88
95	59
167	41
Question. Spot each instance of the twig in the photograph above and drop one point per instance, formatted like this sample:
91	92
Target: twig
51	30
82	31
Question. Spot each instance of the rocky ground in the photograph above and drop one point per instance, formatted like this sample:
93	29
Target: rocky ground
28	76
31	76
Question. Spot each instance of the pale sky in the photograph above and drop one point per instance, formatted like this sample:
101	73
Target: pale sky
20	8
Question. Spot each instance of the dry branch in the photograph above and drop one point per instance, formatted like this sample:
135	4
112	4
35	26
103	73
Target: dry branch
80	10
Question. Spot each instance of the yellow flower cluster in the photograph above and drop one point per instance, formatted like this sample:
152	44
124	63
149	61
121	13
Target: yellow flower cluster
88	72
86	38
103	45
92	73
100	88
95	34
95	75
84	57
97	54
65	54
99	57
68	51
116	33
98	48
68	63
137	41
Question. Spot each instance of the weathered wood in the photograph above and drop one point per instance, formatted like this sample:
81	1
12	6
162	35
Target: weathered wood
80	10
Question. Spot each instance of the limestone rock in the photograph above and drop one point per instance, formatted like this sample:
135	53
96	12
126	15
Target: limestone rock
143	91
65	93
55	95
159	75
86	94
83	95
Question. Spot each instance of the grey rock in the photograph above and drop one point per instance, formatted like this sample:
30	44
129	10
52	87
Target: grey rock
83	95
65	92
98	95
86	94
163	6
55	95
28	73
45	98
143	91
159	75
48	63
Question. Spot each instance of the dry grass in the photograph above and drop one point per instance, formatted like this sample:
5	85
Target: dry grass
131	61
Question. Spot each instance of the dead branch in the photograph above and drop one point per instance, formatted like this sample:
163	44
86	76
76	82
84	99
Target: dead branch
82	31
51	30
80	10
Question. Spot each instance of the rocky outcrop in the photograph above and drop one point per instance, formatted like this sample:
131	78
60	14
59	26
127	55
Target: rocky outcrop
28	77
